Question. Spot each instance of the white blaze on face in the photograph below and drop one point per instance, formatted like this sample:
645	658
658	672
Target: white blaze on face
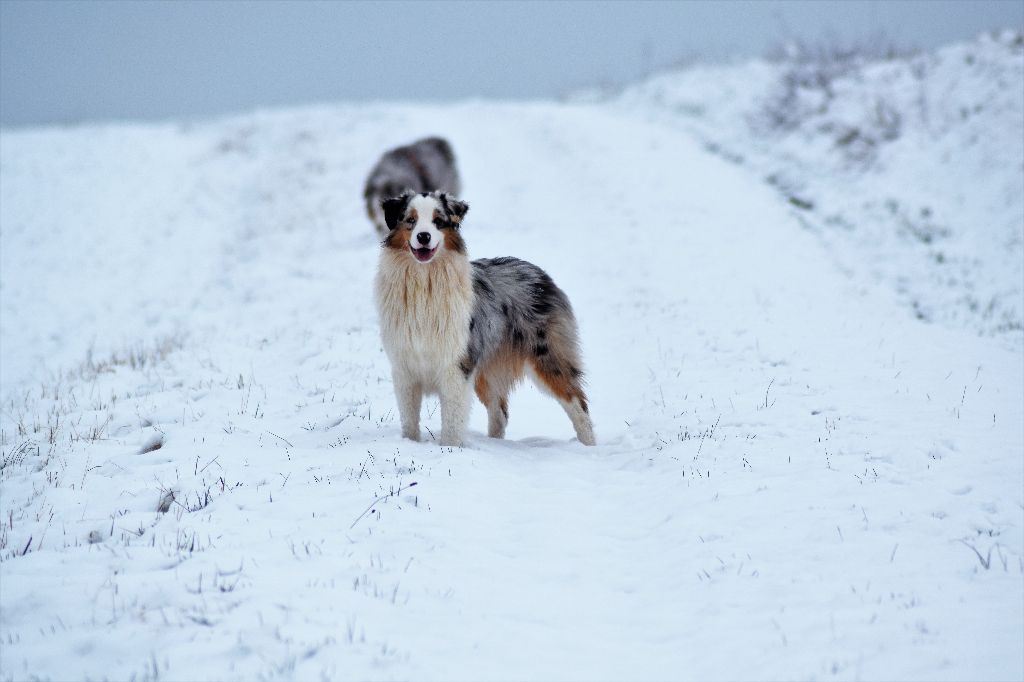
424	207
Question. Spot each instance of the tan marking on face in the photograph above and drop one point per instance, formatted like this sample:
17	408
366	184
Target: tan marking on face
453	241
398	239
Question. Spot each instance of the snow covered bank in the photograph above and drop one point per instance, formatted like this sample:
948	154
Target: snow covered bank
794	478
911	169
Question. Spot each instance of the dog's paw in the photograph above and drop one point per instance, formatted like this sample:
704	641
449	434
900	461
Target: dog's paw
411	434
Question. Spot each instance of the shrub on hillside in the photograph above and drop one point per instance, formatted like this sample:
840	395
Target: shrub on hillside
808	95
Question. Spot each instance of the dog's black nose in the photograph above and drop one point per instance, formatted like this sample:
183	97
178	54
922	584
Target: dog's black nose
423	238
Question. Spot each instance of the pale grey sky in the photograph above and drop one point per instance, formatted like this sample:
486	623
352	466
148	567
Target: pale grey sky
65	62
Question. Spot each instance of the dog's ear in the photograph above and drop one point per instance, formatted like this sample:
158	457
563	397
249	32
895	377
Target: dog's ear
394	209
453	207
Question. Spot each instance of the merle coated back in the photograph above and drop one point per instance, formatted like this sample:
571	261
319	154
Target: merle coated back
519	308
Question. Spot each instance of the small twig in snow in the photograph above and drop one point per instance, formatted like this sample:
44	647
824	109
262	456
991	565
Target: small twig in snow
986	561
282	439
380	499
766	393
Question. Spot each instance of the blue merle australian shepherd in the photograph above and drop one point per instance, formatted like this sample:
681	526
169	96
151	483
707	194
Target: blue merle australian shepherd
421	166
449	324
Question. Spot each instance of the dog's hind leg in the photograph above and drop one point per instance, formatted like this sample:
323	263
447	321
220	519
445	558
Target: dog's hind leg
576	408
410	397
564	382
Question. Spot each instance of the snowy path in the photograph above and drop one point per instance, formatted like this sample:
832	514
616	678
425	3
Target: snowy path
791	472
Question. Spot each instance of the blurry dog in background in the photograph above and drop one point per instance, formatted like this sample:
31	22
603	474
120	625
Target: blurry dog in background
448	323
424	166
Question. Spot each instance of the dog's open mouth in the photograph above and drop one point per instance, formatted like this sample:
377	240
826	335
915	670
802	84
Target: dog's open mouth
423	255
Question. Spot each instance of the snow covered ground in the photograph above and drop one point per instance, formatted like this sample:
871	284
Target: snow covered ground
202	474
911	169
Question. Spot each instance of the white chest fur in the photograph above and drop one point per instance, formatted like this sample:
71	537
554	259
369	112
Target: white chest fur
424	313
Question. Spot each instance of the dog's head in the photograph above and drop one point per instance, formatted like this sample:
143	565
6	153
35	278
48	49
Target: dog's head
424	225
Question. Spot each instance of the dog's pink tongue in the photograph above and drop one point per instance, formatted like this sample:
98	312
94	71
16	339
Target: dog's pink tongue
423	255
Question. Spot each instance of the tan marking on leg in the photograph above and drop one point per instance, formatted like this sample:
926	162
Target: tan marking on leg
556	381
482	388
494	382
566	388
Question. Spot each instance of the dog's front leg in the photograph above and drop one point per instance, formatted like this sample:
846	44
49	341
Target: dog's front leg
410	397
454	407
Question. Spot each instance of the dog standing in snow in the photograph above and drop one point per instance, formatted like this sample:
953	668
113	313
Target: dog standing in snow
423	166
448	323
